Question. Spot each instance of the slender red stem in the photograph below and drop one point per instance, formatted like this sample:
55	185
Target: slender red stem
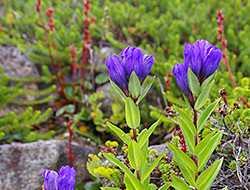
220	20
49	48
57	57
71	156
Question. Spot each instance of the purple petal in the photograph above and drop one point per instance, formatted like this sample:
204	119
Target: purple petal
117	71
211	61
51	180
180	73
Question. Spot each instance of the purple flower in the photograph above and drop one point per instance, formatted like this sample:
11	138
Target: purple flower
132	59
65	181
50	180
202	58
180	73
117	71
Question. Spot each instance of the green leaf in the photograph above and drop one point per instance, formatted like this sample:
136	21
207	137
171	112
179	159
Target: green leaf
188	135
144	169
137	184
135	156
132	113
164	187
208	174
123	136
208	80
203	96
146	85
186	119
134	85
208	150
110	188
118	90
152	187
193	83
101	78
186	164
153	165
68	109
199	148
129	185
178	183
144	136
204	116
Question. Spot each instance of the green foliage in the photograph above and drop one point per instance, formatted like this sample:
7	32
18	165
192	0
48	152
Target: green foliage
19	127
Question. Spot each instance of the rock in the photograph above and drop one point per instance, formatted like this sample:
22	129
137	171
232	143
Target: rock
161	148
107	100
99	58
22	163
16	64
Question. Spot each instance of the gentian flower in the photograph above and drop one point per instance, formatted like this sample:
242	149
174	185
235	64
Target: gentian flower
202	58
65	180
117	72
132	59
50	180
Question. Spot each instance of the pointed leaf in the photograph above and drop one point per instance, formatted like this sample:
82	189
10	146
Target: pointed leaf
186	119
188	135
186	164
153	165
178	183
200	147
203	96
164	187
118	90
208	150
204	116
143	137
110	188
213	174
132	113
128	183
193	83
134	85
135	156
137	184
146	87
123	136
208	80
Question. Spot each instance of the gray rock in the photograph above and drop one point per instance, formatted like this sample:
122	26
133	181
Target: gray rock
107	100
22	163
16	64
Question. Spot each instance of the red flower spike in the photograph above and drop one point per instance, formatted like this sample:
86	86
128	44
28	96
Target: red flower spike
224	43
38	7
219	37
49	11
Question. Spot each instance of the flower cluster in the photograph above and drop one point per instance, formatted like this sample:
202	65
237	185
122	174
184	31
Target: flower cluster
65	180
132	59
202	58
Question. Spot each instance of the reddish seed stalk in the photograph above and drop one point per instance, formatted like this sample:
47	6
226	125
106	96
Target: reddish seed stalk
72	55
220	20
87	42
47	42
71	156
